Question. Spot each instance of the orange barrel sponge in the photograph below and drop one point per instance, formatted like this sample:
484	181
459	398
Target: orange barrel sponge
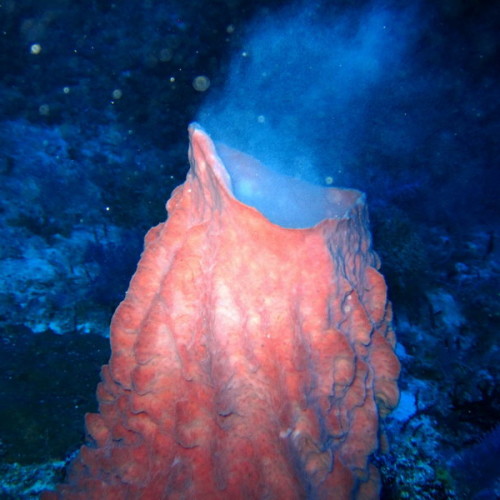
253	356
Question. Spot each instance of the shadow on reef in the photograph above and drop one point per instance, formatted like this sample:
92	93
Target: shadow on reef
53	377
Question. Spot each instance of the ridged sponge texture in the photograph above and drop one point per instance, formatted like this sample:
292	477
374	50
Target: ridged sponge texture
249	360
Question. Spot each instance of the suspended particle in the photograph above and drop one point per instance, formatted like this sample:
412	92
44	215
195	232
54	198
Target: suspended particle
165	55
36	48
201	83
44	110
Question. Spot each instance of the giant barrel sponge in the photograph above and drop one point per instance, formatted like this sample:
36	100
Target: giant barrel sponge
252	357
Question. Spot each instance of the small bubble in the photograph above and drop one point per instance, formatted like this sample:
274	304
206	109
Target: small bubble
261	119
66	90
329	180
230	29
36	48
117	94
201	83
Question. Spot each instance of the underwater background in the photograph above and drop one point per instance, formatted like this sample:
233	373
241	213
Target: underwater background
397	99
